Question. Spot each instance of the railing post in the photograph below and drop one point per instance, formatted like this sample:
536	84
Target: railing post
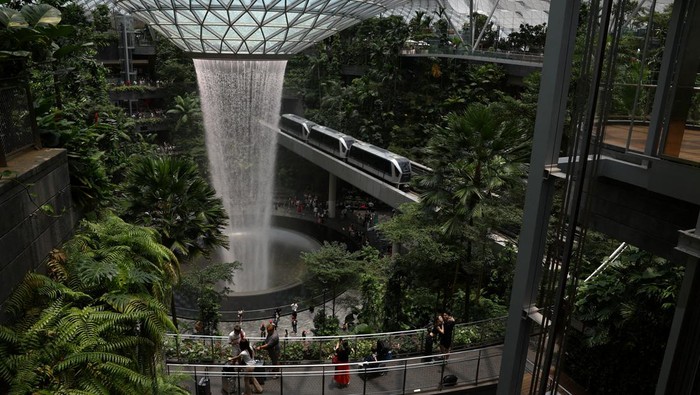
405	370
478	363
320	350
323	380
422	342
281	380
364	380
442	372
238	382
212	348
195	376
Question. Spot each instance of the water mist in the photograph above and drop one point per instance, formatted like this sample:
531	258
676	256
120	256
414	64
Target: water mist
240	99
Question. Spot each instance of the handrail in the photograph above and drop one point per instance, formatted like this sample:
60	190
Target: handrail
189	347
344	336
404	375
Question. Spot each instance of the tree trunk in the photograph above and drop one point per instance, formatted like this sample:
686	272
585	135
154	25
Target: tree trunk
173	309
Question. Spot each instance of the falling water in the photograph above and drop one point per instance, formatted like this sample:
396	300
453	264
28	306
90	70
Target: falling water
240	99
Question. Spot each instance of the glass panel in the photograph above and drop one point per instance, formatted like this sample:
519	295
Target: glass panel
637	64
682	138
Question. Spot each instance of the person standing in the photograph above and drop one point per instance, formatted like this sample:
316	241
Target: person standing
235	338
294	318
246	358
430	336
446	329
272	345
341	359
262	330
276	318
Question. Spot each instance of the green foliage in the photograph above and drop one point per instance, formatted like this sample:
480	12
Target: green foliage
173	66
101	20
113	255
100	328
188	112
27	34
530	38
202	285
372	285
133	88
627	311
325	325
65	341
488	38
169	194
332	267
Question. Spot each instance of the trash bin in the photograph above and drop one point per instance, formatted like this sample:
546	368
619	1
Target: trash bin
204	386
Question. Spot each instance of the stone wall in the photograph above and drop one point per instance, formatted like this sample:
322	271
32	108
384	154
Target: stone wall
29	232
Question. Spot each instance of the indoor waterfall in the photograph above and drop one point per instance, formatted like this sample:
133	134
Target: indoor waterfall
240	99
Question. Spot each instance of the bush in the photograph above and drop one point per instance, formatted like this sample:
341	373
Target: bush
363	329
325	325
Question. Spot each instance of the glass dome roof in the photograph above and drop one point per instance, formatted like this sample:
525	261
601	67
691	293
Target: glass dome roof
251	27
508	15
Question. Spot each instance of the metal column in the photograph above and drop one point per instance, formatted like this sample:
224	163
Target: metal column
549	125
679	370
332	191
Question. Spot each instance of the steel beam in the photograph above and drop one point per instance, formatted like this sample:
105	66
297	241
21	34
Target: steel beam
549	125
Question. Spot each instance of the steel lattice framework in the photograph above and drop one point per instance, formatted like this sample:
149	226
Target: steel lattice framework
253	27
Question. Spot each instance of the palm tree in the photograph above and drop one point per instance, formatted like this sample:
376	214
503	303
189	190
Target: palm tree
169	195
187	110
473	161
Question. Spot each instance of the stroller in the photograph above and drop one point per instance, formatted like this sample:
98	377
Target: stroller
373	365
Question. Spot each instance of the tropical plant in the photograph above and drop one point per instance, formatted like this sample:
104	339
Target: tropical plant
333	268
112	255
27	34
472	161
201	284
418	274
98	325
627	311
528	39
63	344
325	324
187	111
169	195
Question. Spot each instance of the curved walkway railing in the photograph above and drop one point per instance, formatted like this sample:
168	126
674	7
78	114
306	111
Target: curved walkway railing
215	349
534	58
424	374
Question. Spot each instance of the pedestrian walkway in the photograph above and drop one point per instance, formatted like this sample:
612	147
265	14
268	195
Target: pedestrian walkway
305	319
470	369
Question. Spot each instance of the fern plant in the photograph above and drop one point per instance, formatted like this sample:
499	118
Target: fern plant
97	327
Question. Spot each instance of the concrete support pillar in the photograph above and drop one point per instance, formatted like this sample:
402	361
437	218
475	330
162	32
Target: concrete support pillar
332	186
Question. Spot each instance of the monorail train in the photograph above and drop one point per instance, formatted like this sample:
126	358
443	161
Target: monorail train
330	141
296	126
383	164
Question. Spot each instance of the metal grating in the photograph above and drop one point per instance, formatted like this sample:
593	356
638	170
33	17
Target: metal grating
16	131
